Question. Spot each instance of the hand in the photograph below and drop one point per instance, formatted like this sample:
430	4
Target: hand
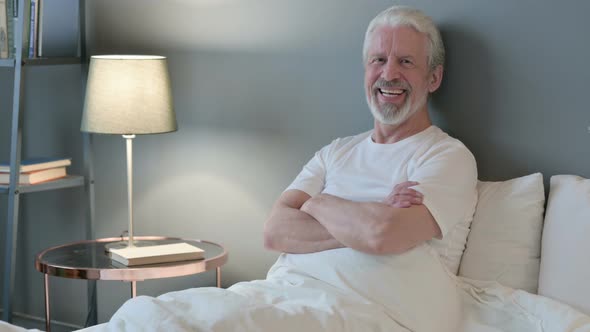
403	196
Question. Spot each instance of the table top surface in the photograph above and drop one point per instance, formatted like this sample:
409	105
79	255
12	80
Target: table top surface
90	260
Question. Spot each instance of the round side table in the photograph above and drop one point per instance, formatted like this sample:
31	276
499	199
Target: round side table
89	260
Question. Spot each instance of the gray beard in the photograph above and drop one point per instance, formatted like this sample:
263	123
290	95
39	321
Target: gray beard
389	114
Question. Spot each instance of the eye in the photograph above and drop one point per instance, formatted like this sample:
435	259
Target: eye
377	60
406	62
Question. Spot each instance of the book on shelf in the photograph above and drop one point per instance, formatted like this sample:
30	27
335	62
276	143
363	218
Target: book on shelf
26	23
35	177
12	18
33	28
3	30
36	164
164	253
39	30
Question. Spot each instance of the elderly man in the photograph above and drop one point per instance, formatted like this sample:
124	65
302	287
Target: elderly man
355	191
367	210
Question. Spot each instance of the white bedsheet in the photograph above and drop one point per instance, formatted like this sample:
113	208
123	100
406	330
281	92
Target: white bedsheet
294	300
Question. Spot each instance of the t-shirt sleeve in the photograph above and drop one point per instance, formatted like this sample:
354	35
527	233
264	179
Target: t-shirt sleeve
312	178
447	176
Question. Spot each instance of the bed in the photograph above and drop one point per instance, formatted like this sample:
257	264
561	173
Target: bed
524	269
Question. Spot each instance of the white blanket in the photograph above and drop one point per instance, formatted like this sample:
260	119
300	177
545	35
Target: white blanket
270	306
331	292
344	290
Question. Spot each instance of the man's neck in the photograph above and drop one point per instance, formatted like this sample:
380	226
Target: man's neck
387	134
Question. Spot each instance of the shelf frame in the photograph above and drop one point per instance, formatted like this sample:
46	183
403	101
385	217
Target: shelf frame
13	194
13	190
7	63
69	181
53	61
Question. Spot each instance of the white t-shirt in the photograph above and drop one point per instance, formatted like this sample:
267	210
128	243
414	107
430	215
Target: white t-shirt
358	169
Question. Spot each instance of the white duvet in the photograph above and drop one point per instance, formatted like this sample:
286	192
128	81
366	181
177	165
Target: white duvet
344	290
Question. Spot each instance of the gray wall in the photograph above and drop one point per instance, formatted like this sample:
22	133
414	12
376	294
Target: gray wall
260	85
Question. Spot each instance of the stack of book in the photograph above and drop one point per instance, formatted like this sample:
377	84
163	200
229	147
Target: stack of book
36	170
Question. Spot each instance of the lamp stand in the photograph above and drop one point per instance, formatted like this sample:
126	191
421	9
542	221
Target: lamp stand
129	143
130	242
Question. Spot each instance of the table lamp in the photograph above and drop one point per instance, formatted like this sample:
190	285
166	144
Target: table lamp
128	95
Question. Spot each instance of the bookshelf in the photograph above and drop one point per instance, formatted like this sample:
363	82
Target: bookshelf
13	191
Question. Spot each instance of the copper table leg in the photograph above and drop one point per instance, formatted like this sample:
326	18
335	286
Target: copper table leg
219	277
133	289
47	317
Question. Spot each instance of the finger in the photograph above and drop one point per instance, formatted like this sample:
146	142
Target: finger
417	200
403	201
408	191
398	203
402	205
405	184
398	197
404	195
408	198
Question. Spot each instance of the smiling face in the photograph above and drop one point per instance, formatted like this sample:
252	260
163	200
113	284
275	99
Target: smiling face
397	77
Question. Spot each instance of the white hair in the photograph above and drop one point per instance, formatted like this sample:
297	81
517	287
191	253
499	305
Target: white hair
414	18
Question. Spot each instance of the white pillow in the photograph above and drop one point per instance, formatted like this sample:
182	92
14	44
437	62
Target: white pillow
504	243
565	264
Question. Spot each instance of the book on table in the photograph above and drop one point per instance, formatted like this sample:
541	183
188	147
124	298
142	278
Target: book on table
164	253
35	177
36	164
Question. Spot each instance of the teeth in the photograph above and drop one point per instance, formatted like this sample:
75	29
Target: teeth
392	92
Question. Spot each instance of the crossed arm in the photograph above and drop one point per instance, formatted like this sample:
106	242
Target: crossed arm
300	223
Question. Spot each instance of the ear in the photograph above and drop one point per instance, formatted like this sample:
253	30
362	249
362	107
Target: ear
435	78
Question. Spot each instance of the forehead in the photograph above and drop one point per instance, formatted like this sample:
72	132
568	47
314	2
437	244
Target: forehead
401	40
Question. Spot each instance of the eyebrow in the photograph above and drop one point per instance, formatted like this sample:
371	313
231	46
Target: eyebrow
382	55
376	54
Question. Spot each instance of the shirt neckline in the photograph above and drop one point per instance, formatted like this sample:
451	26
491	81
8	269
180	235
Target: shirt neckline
404	141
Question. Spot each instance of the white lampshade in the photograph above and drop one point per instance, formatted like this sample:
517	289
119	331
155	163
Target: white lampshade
128	94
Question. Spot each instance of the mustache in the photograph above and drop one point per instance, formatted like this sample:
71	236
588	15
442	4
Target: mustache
398	84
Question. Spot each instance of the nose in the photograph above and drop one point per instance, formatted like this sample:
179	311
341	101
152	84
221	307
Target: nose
391	70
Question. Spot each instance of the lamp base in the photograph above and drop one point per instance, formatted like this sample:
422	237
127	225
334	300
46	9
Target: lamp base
124	244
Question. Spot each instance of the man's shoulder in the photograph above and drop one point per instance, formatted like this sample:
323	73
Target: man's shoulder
441	143
443	139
